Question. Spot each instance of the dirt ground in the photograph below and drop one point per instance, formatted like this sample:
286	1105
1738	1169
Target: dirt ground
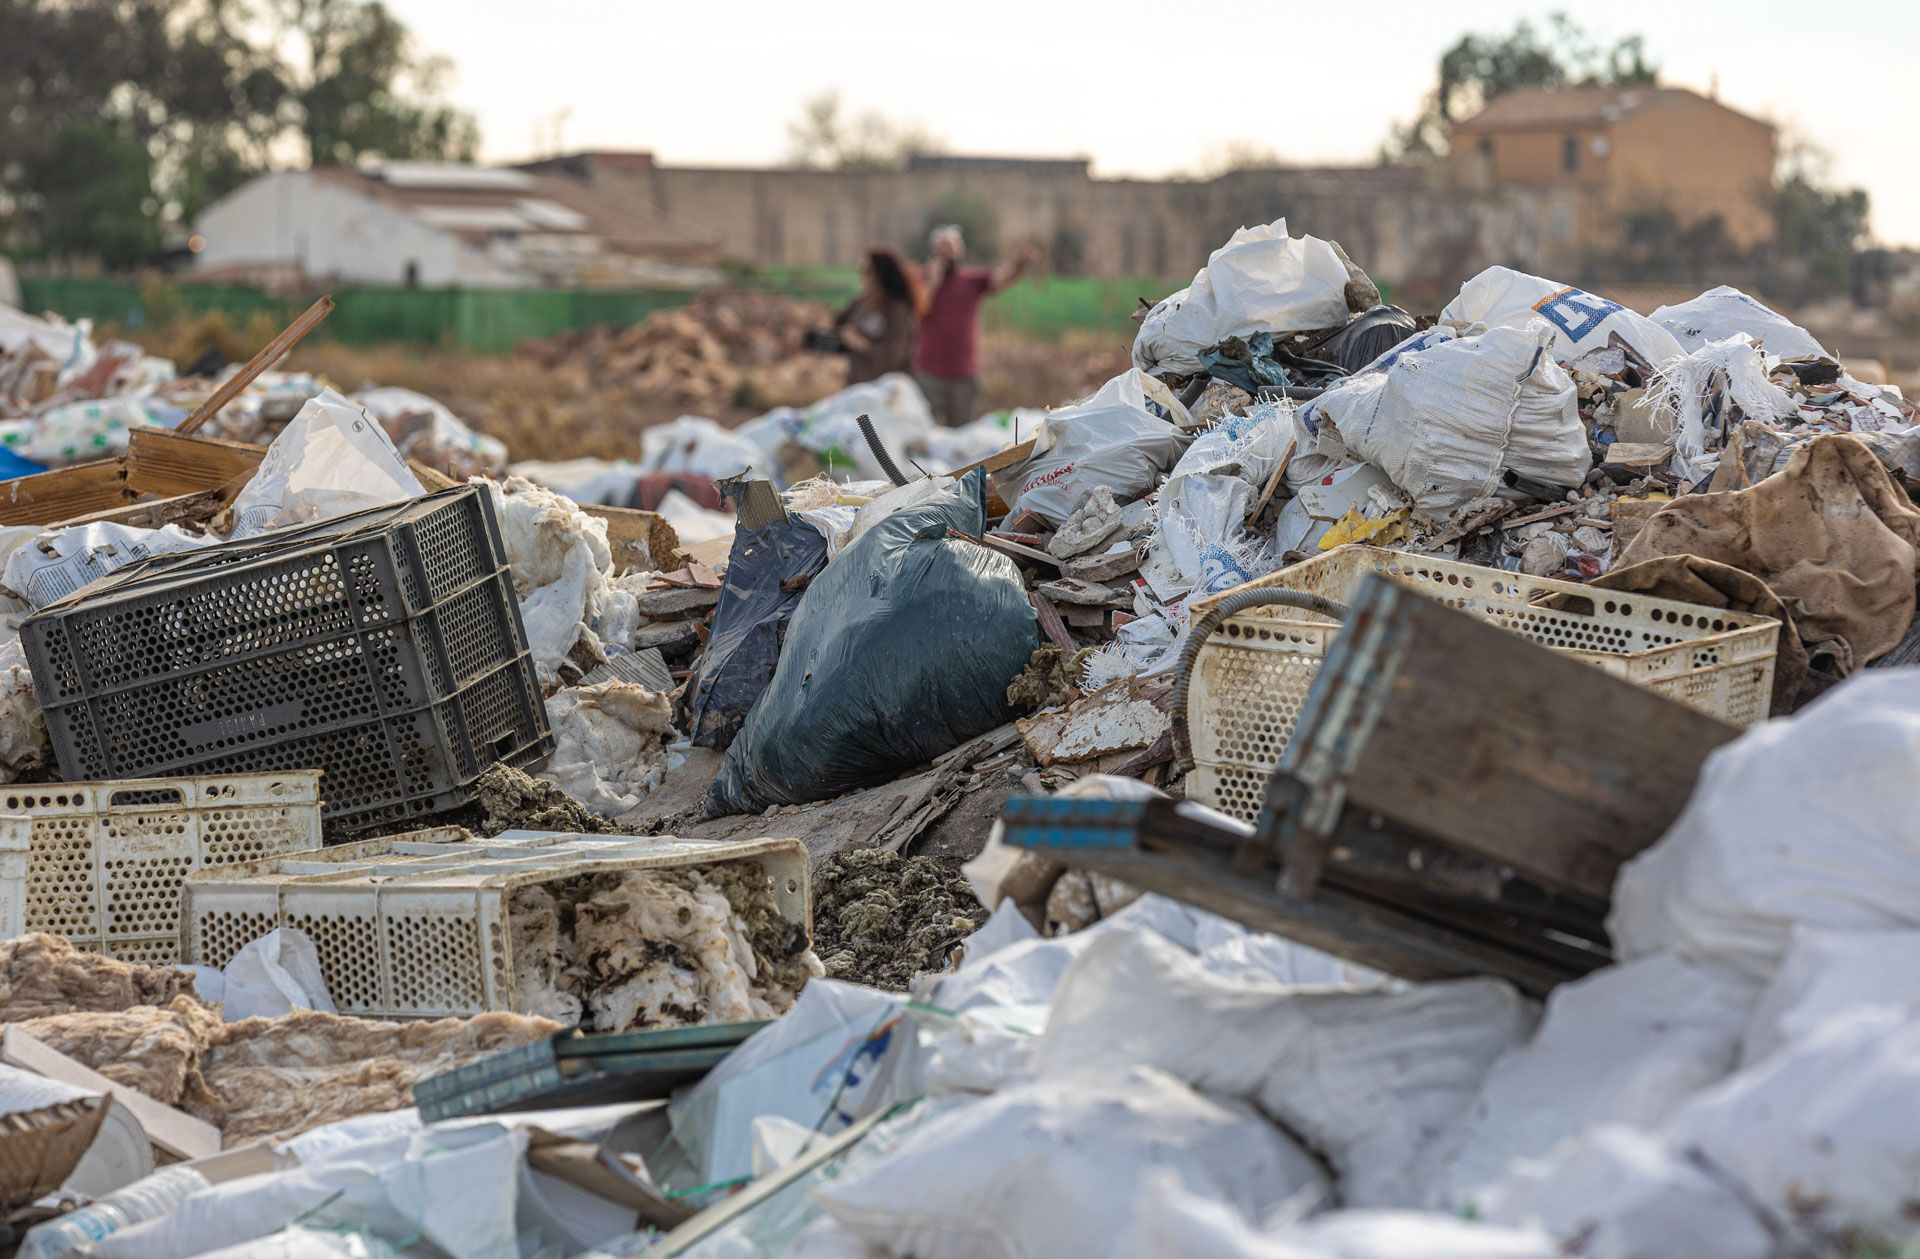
543	413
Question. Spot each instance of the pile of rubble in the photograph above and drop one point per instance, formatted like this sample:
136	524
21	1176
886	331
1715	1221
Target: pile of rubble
65	400
726	348
1312	796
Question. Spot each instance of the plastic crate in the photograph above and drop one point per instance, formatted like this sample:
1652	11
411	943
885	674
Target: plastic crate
385	648
103	863
1251	678
570	1069
417	925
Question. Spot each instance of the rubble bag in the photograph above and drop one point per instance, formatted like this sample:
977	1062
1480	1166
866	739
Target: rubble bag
901	649
766	575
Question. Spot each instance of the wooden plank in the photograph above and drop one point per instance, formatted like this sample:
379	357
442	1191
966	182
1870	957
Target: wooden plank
160	512
165	463
48	497
1050	623
1503	748
270	353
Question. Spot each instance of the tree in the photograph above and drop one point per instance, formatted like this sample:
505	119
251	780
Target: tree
362	89
119	115
1479	68
823	138
95	187
1819	230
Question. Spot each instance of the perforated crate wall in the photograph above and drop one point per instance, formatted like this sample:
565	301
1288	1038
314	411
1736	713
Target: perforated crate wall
105	862
385	648
417	926
1251	678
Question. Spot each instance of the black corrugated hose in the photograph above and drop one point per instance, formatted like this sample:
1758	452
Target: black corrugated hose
1231	604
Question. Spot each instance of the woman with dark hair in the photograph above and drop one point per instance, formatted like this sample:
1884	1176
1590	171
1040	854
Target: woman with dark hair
880	329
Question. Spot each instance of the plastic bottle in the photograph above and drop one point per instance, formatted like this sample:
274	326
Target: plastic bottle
145	1199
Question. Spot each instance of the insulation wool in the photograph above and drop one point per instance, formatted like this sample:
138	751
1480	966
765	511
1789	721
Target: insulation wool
561	565
275	1076
23	728
297	1071
153	1049
616	952
43	975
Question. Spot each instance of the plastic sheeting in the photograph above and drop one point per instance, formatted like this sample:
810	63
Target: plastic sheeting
1055	1168
1725	311
767	572
1806	821
901	649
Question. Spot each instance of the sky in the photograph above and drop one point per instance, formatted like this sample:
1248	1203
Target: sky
1141	88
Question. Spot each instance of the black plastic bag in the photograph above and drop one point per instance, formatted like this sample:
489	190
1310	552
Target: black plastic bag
1366	337
767	572
901	649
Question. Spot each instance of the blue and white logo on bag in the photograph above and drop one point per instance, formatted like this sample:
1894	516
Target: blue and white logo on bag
1576	312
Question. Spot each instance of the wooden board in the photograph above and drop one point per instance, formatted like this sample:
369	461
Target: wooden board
164	463
46	498
1472	735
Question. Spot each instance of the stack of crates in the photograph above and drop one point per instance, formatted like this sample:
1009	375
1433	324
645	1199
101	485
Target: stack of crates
384	648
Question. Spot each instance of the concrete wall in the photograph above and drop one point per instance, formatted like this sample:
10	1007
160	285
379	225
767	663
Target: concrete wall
1403	226
294	220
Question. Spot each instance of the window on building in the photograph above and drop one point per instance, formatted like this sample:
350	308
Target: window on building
1570	154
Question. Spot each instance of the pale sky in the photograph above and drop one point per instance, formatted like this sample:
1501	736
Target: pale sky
1142	89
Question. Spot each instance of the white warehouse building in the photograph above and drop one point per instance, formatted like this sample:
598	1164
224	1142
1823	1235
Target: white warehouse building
441	226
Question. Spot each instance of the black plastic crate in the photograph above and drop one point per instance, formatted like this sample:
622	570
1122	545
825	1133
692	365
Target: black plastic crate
384	648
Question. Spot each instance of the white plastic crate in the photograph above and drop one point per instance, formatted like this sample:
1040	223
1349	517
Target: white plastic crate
417	925
16	837
107	859
1251	678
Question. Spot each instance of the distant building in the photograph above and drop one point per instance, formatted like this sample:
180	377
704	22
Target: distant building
1633	150
444	226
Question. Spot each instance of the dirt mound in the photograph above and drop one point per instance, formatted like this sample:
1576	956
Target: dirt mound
880	918
727	347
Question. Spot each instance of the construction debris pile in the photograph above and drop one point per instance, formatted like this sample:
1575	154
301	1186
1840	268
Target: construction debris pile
1355	785
725	348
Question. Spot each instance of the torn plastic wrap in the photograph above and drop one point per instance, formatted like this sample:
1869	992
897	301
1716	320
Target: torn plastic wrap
767	572
901	649
332	459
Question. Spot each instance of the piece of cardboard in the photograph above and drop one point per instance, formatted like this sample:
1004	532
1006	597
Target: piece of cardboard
40	1146
173	1132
